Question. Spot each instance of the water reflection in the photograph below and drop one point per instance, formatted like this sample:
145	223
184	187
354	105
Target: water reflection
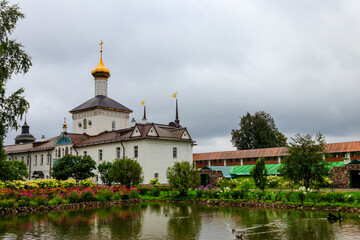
178	221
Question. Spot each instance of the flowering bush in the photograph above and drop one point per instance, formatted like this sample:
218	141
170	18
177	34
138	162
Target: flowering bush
88	195
87	183
154	182
67	183
273	181
17	184
2	185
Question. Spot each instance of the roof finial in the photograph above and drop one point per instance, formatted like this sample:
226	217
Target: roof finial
64	126
101	43
101	72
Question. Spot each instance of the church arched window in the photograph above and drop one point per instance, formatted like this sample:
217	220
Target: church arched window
66	150
59	152
55	152
85	123
63	152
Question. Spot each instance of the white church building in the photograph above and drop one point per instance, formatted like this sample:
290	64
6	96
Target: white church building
101	129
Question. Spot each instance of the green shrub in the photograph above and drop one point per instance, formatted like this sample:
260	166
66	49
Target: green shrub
116	197
73	197
42	200
67	183
155	192
226	194
87	196
87	183
273	181
56	200
4	203
2	185
100	198
125	196
199	193
107	194
136	195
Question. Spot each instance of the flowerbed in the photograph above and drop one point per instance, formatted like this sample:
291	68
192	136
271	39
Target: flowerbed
31	197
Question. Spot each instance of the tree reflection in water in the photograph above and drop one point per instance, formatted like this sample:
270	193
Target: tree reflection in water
177	221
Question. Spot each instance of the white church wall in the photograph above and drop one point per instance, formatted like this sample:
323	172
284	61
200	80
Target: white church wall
155	156
100	120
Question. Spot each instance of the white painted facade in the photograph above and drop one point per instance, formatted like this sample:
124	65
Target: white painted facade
101	87
95	121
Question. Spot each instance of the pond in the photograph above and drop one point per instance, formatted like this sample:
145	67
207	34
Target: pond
179	221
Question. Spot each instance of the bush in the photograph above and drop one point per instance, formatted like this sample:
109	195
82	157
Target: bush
42	199
87	183
57	200
182	176
126	172
259	174
273	181
107	194
116	197
88	195
155	192
74	196
2	185
67	183
136	195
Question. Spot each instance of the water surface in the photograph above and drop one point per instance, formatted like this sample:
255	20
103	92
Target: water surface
179	221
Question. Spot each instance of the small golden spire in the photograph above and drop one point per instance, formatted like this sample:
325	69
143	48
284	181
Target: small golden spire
101	72
64	124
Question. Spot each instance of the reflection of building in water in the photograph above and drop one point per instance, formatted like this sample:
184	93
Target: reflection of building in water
100	128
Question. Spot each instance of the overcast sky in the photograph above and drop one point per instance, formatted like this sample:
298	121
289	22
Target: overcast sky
297	60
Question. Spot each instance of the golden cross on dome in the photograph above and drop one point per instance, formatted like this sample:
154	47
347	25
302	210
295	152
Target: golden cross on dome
101	43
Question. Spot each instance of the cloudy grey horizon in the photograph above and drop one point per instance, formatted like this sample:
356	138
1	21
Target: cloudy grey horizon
297	60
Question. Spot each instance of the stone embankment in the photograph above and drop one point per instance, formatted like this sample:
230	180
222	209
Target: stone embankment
275	205
64	207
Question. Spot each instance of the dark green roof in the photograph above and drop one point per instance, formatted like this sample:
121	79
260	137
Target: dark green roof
244	170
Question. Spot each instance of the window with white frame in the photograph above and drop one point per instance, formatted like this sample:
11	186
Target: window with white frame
136	151
84	153
42	159
100	154
174	152
35	160
113	125
118	152
48	159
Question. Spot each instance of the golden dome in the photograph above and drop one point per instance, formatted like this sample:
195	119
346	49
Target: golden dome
101	72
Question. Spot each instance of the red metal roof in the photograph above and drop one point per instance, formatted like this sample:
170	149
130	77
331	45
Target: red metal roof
272	152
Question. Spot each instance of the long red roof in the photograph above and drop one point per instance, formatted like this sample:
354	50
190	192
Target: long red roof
272	152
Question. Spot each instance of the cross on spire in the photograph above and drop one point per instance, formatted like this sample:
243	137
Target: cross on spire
101	43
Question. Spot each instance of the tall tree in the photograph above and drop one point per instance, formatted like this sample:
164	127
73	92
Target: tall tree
259	174
13	60
257	131
77	167
126	172
306	163
182	176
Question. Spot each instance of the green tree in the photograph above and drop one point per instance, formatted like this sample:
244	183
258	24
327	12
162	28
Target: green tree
104	169
15	170
77	167
83	168
182	176
126	172
257	131
259	174
13	60
306	163
63	167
